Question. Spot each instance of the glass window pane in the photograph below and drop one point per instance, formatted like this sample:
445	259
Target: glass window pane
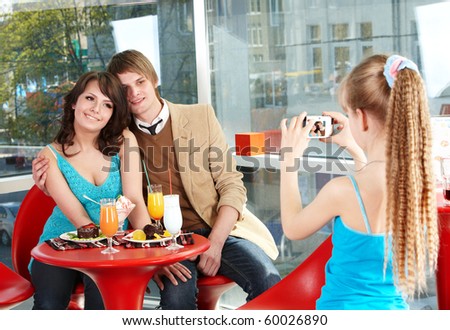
323	41
366	31
44	49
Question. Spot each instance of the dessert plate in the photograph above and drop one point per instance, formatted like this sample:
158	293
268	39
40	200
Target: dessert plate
129	238
72	237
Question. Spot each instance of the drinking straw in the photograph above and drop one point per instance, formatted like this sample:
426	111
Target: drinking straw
170	181
146	175
88	198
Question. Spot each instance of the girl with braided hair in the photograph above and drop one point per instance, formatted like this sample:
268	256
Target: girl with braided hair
385	236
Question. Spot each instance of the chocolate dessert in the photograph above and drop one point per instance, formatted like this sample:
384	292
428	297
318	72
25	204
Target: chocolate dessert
151	229
88	231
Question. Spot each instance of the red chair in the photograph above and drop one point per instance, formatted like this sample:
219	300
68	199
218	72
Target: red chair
210	289
34	211
14	289
300	289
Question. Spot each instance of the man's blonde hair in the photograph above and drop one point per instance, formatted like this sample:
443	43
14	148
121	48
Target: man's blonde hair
133	61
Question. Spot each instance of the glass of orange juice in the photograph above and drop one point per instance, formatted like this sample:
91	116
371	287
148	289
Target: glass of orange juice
155	203
109	222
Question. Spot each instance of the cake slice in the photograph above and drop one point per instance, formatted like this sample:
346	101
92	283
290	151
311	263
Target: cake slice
88	231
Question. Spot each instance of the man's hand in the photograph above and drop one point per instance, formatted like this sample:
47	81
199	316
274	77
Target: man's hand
40	167
210	260
171	272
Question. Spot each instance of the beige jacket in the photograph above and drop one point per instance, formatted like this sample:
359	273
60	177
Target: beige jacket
208	172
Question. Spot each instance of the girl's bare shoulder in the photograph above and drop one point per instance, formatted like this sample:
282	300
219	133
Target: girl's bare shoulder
338	186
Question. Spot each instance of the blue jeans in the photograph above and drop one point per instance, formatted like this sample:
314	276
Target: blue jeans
54	286
242	261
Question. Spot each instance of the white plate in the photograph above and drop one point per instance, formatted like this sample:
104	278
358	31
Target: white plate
72	237
129	238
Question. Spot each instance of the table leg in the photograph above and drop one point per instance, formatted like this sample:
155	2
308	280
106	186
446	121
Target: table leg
122	288
443	264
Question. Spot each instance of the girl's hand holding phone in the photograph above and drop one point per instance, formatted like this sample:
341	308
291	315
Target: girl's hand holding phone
294	138
343	137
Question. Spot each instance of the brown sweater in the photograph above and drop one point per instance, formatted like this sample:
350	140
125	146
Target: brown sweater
154	151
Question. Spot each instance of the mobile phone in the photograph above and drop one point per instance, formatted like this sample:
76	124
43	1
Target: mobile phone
323	126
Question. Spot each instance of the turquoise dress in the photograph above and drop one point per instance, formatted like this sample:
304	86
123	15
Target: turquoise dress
355	276
58	223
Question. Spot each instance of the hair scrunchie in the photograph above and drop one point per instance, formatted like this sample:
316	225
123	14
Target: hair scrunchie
394	64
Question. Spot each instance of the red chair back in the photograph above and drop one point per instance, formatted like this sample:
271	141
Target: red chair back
300	289
34	211
14	289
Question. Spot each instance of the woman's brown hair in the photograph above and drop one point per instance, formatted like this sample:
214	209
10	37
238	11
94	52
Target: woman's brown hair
110	138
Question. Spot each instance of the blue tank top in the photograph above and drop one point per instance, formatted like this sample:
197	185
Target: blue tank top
354	275
58	223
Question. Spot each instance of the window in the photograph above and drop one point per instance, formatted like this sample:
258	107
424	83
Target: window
276	9
185	17
367	51
342	60
278	36
366	31
257	58
209	6
340	32
314	33
317	64
58	45
255	6
255	37
210	35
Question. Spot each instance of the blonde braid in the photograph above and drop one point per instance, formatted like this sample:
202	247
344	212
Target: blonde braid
429	194
411	209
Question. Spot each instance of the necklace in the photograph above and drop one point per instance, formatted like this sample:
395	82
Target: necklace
369	163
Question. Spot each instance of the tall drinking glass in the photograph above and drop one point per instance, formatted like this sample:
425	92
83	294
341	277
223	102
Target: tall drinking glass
155	203
173	219
109	222
445	174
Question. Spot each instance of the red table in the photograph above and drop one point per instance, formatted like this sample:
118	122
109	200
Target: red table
121	277
443	263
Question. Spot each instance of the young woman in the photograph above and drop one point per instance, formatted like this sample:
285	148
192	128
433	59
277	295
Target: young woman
93	155
384	217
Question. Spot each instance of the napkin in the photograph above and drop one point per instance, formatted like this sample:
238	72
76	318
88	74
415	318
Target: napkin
62	245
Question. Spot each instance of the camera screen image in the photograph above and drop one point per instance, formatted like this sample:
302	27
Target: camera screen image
318	129
322	126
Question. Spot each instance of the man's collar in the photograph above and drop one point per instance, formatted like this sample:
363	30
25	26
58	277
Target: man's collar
163	114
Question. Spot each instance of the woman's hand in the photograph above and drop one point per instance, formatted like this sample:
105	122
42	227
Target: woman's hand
294	138
39	167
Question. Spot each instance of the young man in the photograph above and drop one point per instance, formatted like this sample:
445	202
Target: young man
188	140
